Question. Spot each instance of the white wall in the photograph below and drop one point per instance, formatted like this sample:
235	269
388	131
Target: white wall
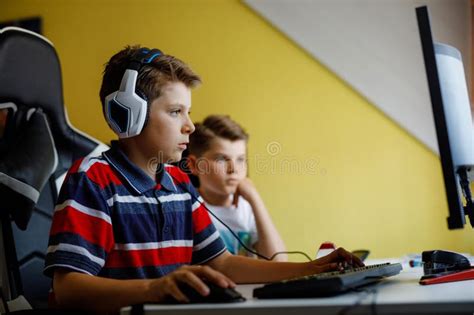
374	46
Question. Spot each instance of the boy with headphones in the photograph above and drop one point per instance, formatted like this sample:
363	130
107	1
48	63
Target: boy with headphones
128	228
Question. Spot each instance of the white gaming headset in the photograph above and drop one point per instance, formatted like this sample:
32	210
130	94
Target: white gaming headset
126	110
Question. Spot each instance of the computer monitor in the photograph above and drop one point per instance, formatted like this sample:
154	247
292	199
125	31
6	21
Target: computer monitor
452	117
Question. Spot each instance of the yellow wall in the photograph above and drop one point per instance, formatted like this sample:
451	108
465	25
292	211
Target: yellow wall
329	165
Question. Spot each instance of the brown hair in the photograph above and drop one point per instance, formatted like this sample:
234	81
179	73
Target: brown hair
212	127
151	77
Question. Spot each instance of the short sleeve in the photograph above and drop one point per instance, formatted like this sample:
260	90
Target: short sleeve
81	233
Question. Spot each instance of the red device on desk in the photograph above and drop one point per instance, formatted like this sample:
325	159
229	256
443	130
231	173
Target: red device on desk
443	266
455	276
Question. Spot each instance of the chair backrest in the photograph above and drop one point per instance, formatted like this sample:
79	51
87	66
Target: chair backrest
30	79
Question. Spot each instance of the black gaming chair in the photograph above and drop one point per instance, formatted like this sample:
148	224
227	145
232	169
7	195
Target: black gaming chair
37	148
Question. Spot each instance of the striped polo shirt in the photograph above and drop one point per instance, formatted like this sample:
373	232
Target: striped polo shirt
113	220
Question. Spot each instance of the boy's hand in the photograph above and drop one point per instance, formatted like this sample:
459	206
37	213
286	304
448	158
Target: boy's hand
339	259
247	190
168	286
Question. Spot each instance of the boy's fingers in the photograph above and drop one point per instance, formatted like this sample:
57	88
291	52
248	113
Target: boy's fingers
215	277
235	200
349	257
357	261
352	259
176	293
192	280
341	254
329	267
333	256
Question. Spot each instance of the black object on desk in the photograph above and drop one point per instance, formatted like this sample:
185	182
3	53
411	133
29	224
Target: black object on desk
441	266
362	254
217	294
328	283
439	261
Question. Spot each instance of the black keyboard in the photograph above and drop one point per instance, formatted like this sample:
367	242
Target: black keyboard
328	283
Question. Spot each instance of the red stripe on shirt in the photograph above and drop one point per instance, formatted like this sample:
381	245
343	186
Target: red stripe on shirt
178	176
91	229
102	175
149	257
75	166
201	219
73	169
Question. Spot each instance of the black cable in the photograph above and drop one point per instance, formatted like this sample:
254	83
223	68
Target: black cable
231	231
373	305
349	308
357	303
466	191
242	243
236	236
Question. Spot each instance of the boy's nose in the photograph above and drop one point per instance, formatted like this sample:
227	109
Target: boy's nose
230	167
188	126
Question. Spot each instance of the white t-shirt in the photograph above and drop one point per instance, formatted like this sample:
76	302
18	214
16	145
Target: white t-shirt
241	220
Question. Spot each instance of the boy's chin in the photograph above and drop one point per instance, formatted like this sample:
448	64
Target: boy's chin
175	158
230	190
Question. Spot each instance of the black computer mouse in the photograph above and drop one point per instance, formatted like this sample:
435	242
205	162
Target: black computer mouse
217	294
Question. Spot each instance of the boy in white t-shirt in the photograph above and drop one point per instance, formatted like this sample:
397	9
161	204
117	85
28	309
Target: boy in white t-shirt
217	156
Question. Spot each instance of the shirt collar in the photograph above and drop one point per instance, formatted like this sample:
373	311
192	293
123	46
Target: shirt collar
135	177
165	178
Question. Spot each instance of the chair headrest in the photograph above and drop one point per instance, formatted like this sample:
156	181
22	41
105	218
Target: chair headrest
30	73
30	77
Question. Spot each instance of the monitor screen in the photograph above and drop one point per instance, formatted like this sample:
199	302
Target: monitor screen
452	117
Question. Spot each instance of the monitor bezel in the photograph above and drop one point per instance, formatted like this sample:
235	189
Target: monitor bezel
456	219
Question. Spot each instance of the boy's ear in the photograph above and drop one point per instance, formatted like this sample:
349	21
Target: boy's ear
191	162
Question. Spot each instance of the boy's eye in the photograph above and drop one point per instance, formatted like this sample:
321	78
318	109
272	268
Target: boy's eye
175	112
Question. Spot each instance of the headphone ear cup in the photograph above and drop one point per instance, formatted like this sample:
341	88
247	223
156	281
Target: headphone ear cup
125	110
147	116
117	115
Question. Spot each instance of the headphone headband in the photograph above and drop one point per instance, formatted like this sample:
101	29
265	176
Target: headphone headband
142	57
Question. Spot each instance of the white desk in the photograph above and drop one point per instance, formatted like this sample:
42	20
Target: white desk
400	294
